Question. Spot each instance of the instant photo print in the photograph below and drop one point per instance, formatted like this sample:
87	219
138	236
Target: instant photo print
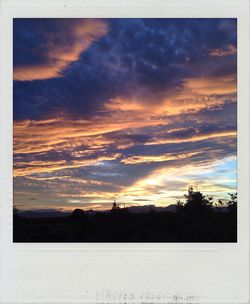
124	152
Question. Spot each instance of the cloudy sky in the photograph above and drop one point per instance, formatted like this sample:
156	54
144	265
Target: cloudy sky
129	109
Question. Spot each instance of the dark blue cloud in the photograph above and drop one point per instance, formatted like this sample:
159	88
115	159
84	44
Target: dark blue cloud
153	54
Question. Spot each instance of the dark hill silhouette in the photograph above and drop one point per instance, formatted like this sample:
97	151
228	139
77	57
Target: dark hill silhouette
194	220
43	213
148	208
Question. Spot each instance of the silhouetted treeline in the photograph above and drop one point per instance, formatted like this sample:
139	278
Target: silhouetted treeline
196	220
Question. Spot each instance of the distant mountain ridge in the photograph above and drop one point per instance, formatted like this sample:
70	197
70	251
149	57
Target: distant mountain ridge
148	208
50	213
43	213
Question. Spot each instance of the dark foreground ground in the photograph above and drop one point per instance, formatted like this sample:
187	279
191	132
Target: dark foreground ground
124	226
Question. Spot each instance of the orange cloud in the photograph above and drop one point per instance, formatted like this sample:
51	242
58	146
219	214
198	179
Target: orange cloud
120	104
43	136
231	50
194	95
193	138
60	54
157	158
212	85
35	167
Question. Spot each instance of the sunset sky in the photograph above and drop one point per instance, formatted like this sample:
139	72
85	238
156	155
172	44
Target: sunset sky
135	110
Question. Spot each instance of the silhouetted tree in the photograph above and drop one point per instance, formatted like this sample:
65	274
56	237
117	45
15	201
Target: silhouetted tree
15	213
15	210
179	205
196	202
78	214
195	215
232	204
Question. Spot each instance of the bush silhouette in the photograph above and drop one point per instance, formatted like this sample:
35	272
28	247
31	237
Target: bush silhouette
78	214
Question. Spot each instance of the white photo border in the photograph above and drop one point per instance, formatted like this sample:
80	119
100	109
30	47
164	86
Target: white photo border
123	272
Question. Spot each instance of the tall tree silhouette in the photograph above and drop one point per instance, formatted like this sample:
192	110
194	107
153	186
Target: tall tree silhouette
195	215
